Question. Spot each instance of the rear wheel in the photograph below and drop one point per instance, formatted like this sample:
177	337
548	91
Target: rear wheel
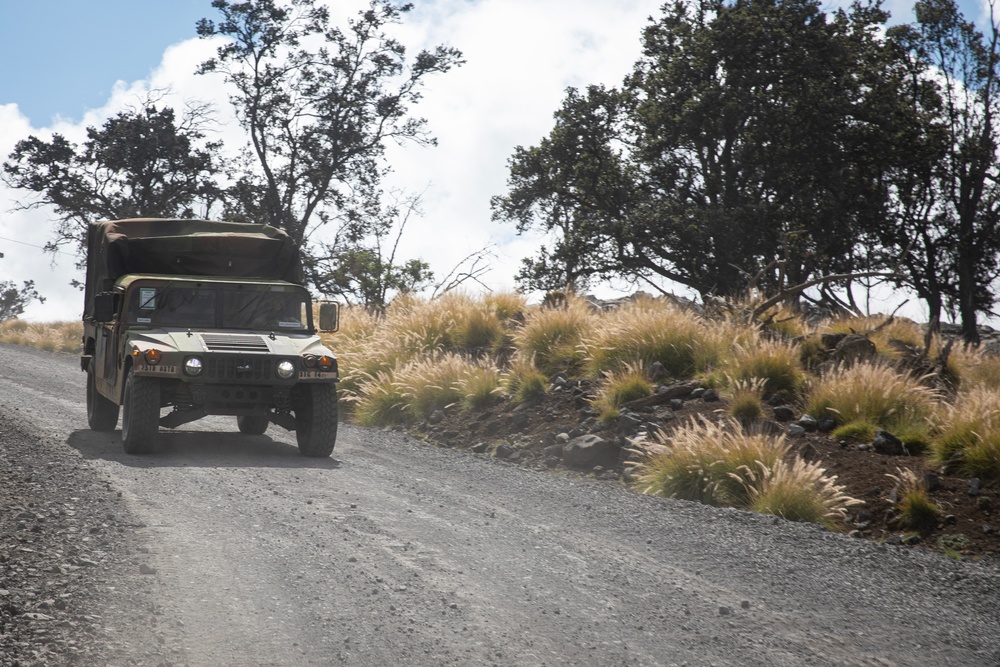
140	414
102	414
316	419
252	425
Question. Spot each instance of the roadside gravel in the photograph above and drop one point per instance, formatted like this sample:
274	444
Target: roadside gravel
228	549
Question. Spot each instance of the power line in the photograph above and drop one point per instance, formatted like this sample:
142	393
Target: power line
32	245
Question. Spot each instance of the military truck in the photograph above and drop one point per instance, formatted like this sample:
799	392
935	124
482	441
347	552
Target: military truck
204	318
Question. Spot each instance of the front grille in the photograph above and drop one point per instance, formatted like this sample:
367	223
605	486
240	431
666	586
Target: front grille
234	343
238	368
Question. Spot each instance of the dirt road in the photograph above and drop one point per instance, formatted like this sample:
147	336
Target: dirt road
242	552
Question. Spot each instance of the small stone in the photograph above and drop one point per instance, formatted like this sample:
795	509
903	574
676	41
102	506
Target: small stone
988	529
710	396
975	484
725	611
745	604
784	413
480	447
984	503
352	559
808	422
146	569
794	430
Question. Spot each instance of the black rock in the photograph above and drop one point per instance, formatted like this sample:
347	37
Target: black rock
888	444
784	413
975	485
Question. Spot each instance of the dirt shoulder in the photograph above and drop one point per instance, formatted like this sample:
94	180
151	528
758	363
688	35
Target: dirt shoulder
534	435
66	560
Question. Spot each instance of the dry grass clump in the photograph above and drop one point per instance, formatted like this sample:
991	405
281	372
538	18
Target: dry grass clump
975	368
722	464
706	461
900	329
620	387
784	321
412	392
916	511
865	397
746	399
799	491
774	362
507	306
643	332
522	381
967	434
48	336
552	336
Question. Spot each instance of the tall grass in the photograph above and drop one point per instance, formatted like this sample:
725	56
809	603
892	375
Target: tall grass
775	363
967	434
551	337
620	387
48	336
864	397
645	332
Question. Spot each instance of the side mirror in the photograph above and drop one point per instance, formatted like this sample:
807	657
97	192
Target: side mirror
105	306
329	316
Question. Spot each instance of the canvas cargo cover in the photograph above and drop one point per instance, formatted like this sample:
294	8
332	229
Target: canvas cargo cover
186	247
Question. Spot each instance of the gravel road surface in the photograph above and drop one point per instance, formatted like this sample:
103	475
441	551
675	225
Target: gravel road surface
243	552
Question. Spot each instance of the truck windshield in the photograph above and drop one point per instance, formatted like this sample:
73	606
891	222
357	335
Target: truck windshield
219	307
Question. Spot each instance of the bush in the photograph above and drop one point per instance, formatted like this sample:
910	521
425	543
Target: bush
915	508
523	381
551	337
642	333
799	491
774	362
619	388
876	395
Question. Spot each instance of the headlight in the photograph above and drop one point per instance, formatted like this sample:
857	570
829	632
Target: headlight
285	369
309	361
193	366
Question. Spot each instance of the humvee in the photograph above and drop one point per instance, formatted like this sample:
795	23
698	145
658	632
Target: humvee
204	318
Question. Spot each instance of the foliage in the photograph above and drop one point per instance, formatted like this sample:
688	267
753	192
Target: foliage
319	102
732	145
13	300
620	387
140	163
873	394
799	491
644	332
551	337
916	511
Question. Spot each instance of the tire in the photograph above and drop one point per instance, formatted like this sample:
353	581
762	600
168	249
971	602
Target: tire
316	420
252	425
140	414
102	414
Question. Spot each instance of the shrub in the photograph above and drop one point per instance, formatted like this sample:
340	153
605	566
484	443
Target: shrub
644	332
746	399
434	383
799	491
379	401
975	368
876	395
619	388
480	386
967	433
705	461
915	508
776	363
551	337
523	381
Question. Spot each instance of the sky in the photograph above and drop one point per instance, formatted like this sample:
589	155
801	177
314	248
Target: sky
66	65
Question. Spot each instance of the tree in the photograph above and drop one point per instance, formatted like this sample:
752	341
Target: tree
965	179
14	300
738	148
140	163
361	264
318	103
574	183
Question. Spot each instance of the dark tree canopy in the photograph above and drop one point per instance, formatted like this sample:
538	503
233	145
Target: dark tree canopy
140	163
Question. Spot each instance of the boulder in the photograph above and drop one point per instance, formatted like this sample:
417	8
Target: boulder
588	451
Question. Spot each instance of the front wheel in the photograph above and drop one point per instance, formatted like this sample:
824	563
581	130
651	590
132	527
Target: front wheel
316	419
102	414
140	414
252	425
